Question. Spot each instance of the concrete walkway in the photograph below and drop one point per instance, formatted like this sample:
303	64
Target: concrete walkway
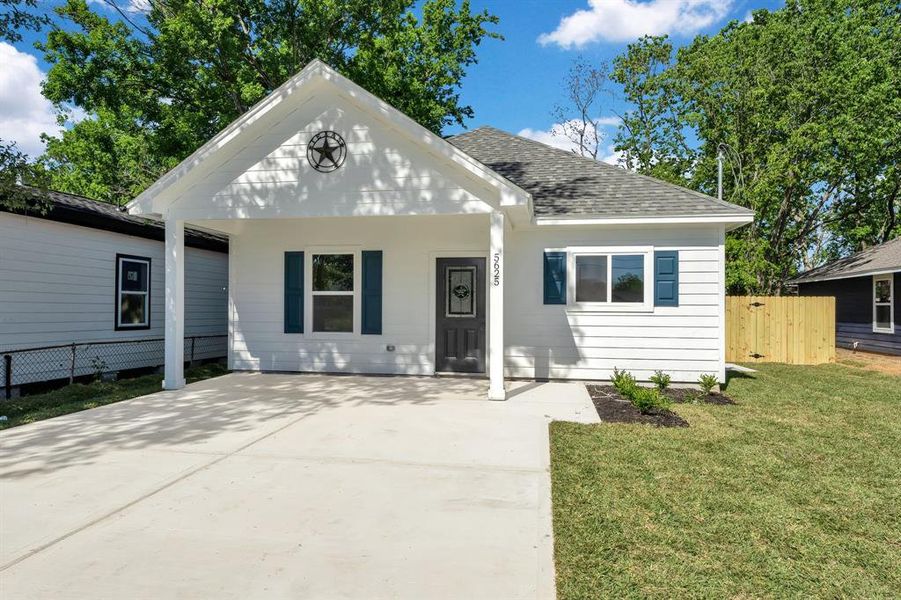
277	486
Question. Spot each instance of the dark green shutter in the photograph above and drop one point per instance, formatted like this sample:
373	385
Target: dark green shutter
555	277
666	278
293	292
372	293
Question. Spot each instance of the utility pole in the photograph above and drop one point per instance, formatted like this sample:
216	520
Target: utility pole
719	171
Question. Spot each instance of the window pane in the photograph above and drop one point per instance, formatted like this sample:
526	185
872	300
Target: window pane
461	291
333	313
628	278
883	290
591	279
134	276
883	316
133	309
333	272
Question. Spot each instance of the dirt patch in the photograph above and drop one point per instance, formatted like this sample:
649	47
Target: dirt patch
613	408
883	363
687	395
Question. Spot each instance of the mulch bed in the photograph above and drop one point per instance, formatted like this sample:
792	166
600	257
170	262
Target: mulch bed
683	395
613	408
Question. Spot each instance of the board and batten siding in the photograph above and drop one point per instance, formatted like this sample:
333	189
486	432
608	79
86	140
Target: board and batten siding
541	340
560	342
57	284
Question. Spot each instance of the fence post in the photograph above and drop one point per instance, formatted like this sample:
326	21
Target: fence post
72	366
193	339
8	374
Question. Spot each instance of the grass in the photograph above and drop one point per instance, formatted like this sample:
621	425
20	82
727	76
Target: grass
794	492
81	396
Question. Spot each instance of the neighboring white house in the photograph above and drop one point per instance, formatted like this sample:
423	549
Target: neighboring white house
85	272
361	242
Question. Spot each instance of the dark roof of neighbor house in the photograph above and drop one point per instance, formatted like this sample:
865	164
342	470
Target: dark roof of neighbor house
566	184
883	258
78	210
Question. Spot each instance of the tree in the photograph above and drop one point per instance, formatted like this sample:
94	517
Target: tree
159	86
18	15
807	101
651	136
578	119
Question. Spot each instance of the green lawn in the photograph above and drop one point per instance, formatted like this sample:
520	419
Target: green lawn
80	396
794	492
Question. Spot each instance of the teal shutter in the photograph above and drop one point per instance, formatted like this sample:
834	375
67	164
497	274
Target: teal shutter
666	278
293	292
555	277
372	293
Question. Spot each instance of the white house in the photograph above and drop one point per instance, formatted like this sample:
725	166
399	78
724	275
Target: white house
85	273
361	242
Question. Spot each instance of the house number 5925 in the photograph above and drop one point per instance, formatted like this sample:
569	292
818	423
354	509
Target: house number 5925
496	268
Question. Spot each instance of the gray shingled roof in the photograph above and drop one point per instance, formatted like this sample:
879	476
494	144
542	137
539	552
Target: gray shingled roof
566	184
882	258
78	210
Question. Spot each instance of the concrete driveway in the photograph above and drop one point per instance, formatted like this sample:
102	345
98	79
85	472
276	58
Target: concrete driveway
300	486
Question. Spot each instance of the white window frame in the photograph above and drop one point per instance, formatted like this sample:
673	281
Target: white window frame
610	251
120	260
309	253
891	303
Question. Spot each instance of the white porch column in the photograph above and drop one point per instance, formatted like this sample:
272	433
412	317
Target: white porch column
174	375
496	389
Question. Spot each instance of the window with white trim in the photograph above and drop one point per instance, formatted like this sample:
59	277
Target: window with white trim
332	293
132	292
611	279
883	304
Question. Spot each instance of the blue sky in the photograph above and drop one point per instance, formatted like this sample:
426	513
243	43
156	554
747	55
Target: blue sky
515	85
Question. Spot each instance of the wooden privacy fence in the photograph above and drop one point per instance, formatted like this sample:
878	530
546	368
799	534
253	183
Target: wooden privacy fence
798	330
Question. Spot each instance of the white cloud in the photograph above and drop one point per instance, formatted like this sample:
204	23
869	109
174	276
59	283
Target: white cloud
554	136
132	6
24	113
627	20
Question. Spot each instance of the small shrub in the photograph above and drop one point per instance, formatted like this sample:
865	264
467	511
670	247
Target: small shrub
707	383
661	380
648	399
623	381
98	366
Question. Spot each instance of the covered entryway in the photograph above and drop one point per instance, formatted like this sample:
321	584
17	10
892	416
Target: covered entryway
288	486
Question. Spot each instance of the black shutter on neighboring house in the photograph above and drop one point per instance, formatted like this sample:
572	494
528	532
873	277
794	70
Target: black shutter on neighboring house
555	277
293	292
666	278
372	293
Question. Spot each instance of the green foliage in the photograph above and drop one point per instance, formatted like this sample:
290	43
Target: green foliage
643	398
22	182
623	381
17	16
647	399
707	382
661	380
155	92
806	99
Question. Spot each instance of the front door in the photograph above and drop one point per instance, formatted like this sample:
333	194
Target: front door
460	316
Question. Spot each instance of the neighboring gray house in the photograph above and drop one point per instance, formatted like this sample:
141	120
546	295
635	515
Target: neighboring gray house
866	288
87	272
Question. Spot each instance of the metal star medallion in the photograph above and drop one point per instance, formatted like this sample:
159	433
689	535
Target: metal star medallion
326	151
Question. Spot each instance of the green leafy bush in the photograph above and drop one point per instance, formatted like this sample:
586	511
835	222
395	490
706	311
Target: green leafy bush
660	379
707	382
623	381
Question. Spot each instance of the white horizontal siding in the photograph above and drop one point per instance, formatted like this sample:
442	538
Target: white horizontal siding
57	285
541	341
556	341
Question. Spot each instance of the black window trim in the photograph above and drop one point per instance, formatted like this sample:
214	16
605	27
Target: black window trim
117	293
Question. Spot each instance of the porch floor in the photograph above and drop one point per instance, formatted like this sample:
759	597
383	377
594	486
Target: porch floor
272	485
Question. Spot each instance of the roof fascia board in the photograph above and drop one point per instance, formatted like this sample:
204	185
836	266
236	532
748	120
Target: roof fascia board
735	220
816	279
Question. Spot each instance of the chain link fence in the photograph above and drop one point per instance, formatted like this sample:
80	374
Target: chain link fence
69	361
